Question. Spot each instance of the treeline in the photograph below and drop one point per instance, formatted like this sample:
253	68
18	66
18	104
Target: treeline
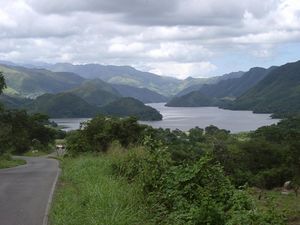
197	177
21	132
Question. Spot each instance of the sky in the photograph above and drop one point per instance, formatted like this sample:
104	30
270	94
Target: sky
179	38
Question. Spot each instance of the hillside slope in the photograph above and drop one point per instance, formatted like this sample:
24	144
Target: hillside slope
31	83
96	92
60	105
235	87
125	75
278	92
192	99
131	107
143	94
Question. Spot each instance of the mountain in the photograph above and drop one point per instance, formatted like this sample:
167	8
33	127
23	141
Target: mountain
69	105
125	75
143	94
131	107
192	99
62	105
230	87
234	87
31	83
278	92
195	84
96	92
13	102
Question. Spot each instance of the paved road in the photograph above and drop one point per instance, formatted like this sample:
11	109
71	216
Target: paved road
25	191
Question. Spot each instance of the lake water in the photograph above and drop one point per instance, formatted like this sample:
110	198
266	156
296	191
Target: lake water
185	118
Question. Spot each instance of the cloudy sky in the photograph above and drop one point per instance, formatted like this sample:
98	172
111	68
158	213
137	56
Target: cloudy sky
180	38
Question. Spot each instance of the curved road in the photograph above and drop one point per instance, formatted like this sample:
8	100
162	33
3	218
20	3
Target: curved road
26	191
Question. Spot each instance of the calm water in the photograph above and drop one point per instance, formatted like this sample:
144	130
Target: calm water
185	118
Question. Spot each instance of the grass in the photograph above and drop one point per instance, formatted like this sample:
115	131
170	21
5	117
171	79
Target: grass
89	194
8	162
289	204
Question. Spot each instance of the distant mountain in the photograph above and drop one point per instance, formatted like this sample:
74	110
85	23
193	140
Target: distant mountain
195	84
59	105
13	102
31	83
131	107
234	87
124	75
278	92
192	99
96	92
69	105
143	94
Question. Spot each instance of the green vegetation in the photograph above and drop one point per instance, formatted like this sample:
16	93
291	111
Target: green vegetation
142	94
62	105
193	99
196	177
70	105
124	75
6	161
278	92
289	204
215	94
26	82
21	132
96	92
235	87
89	194
131	107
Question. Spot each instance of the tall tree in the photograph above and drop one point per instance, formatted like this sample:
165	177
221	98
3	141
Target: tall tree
2	82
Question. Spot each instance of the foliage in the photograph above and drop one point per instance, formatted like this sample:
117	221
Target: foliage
188	193
2	82
6	161
278	92
91	90
97	135
21	131
131	107
192	99
88	194
195	177
30	82
62	105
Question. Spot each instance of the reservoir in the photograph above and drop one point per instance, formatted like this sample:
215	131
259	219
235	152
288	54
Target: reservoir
185	118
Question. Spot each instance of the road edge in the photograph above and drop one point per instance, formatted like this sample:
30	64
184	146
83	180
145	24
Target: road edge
46	215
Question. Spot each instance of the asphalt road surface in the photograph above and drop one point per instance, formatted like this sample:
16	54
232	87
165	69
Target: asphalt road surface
26	191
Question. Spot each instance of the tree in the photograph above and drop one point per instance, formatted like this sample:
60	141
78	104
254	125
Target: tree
2	82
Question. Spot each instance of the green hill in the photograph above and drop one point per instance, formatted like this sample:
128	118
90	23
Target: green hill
131	107
143	94
193	99
195	84
27	82
96	92
278	92
13	102
62	105
68	105
232	88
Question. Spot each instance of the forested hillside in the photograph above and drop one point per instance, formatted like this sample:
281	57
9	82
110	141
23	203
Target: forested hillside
26	82
278	92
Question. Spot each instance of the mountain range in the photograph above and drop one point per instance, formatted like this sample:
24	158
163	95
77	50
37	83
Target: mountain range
272	90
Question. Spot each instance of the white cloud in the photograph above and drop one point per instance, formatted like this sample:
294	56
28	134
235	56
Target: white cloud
183	70
171	37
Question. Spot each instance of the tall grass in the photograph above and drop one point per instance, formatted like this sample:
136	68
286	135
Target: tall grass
89	194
